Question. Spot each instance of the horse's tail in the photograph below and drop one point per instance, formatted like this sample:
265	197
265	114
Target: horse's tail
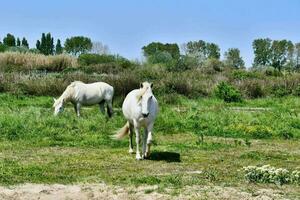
122	132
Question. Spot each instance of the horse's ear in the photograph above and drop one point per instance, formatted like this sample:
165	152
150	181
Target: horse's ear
141	85
54	99
151	85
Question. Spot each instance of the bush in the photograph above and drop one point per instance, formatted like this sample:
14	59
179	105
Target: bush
279	91
227	92
286	134
3	48
96	59
214	64
253	89
296	91
92	59
250	131
272	72
268	174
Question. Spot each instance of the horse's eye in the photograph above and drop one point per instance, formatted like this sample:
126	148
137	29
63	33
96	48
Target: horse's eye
151	97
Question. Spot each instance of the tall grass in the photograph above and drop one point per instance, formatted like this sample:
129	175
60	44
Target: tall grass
15	61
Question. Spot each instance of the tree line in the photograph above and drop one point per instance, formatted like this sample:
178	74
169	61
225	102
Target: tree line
74	45
279	54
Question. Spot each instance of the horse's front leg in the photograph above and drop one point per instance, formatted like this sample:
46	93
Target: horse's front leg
78	106
144	143
149	140
137	140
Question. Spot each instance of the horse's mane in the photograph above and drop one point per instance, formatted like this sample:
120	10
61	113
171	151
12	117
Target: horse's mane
143	90
68	93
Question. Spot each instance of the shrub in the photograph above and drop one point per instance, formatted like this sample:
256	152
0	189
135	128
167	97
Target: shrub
296	91
227	92
279	91
3	48
253	89
250	131
214	64
272	72
95	59
269	174
243	74
91	59
286	134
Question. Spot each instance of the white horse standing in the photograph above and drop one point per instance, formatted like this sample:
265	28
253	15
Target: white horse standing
80	94
140	108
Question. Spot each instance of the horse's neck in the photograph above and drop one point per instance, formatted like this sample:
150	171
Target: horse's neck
68	94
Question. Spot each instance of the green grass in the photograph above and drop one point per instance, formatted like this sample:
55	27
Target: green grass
37	147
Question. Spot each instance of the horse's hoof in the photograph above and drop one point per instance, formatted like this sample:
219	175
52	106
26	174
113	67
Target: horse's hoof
138	157
131	151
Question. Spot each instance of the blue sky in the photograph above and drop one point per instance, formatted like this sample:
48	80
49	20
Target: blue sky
126	26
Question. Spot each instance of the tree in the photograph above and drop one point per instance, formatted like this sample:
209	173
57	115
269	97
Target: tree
38	45
233	58
9	40
297	55
99	48
18	42
78	45
279	52
212	51
156	47
58	47
262	52
25	43
46	45
202	50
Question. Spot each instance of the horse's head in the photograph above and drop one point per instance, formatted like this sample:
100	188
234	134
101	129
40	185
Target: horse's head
146	97
58	106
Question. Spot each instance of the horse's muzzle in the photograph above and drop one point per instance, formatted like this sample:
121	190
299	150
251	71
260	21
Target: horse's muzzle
145	115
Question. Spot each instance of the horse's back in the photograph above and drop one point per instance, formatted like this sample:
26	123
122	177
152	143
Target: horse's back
92	93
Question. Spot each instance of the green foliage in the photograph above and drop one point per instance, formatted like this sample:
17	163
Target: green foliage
280	90
286	134
94	59
78	45
233	58
202	50
25	43
227	92
279	53
9	40
3	48
262	52
155	48
18	42
46	44
58	48
214	64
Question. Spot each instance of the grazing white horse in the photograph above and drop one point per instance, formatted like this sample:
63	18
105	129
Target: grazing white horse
140	108
80	94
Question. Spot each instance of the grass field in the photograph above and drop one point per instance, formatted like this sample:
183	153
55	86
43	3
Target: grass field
196	142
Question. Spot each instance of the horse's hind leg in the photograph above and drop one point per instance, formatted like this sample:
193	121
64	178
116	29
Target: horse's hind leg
130	138
109	108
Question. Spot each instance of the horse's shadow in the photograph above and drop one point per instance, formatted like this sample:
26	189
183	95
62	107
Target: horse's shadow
165	156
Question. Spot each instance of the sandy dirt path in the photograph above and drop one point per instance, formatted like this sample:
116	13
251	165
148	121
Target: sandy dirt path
104	192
